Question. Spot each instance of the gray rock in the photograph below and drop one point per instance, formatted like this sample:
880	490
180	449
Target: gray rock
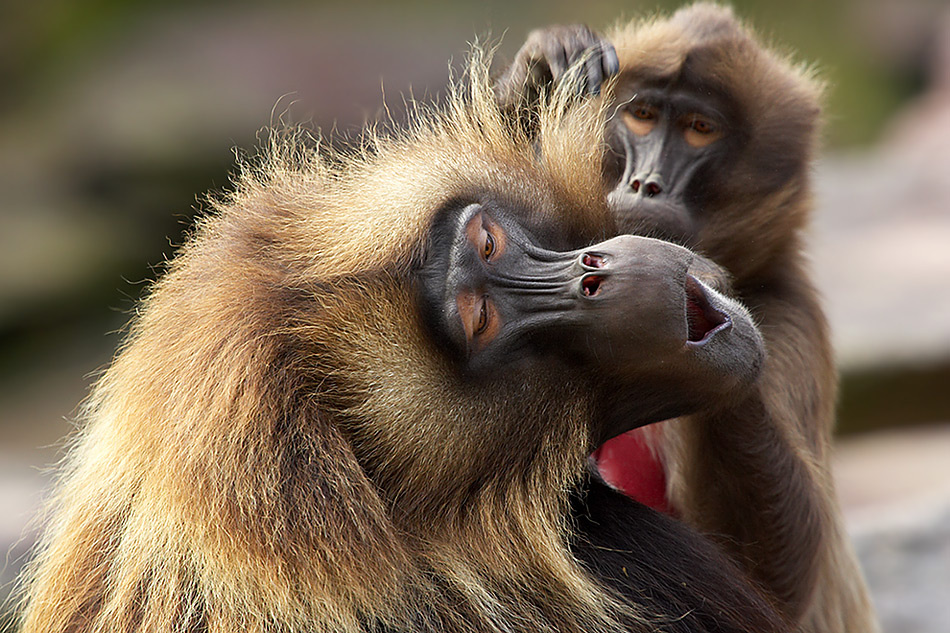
908	570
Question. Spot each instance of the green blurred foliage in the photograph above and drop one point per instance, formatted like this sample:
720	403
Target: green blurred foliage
42	41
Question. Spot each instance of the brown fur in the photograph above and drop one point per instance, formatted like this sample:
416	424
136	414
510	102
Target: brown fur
756	477
279	447
760	476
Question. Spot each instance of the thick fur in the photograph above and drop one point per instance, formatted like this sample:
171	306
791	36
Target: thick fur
756	476
278	446
759	474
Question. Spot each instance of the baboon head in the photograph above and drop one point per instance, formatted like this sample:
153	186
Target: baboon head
363	390
711	137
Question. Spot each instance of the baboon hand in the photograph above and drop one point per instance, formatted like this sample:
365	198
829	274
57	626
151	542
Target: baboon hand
559	53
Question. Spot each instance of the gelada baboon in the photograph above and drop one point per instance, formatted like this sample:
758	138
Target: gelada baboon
709	144
363	396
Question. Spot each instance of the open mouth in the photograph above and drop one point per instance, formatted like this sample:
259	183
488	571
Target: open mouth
703	321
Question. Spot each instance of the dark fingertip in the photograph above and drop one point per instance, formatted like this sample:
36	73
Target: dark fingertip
574	50
611	62
557	61
580	86
594	79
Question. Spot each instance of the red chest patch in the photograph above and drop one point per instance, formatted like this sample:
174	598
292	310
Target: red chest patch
628	464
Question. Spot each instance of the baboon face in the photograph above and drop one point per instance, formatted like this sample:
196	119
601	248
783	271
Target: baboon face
707	125
629	314
670	141
703	124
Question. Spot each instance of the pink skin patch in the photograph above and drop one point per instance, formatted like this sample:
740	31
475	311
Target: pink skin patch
628	464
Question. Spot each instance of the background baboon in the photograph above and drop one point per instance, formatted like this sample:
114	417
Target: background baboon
342	408
709	144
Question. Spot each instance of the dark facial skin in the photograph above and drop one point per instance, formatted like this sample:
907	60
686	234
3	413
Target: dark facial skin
630	312
666	142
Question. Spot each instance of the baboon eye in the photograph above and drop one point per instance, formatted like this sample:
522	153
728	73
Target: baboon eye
701	125
486	237
644	113
701	131
479	318
641	119
482	323
488	249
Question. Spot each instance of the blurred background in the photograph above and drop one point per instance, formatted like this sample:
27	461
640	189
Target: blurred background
118	116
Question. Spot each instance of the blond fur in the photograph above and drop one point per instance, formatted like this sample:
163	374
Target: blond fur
265	453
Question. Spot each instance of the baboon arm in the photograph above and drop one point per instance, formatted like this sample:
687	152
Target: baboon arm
665	565
753	473
749	484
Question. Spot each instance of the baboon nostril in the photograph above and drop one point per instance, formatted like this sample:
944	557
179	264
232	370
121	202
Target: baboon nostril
636	186
653	189
592	261
591	284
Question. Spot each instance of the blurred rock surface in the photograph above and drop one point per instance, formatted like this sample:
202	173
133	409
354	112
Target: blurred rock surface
881	253
895	490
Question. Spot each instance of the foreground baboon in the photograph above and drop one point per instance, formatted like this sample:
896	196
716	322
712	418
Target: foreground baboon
710	144
363	396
